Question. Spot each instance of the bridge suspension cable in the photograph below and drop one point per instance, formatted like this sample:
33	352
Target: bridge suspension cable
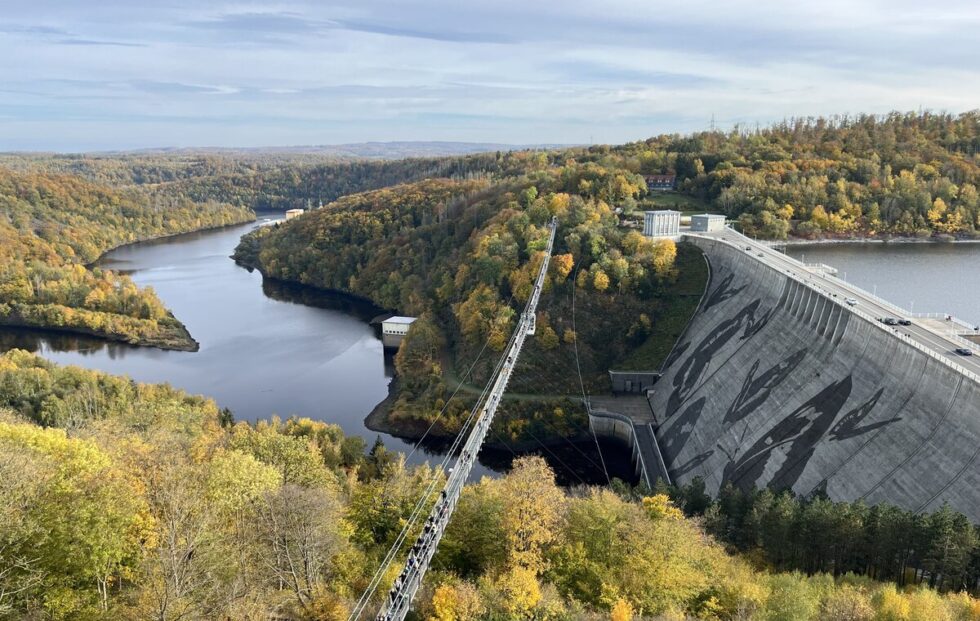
398	602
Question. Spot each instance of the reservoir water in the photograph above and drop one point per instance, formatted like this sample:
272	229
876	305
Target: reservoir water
267	348
921	277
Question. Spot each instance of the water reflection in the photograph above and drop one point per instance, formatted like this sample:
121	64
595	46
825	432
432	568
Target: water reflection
45	342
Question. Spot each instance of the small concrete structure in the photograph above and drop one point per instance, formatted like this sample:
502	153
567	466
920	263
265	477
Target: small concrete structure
707	223
821	268
292	213
662	223
639	438
394	329
632	381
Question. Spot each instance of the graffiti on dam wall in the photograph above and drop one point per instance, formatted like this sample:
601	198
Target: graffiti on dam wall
719	294
850	424
722	292
748	321
778	458
755	390
788	445
779	455
680	430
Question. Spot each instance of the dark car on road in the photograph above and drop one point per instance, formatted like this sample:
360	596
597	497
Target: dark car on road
904	322
963	351
889	321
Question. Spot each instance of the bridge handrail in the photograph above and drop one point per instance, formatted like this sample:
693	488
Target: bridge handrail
908	340
396	606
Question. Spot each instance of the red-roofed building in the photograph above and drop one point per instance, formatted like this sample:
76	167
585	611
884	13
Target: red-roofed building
660	182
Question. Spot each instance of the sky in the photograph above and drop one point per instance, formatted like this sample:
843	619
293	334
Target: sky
79	75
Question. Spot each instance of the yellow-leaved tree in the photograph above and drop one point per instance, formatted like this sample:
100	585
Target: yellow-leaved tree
622	610
483	315
519	592
456	602
600	281
660	507
664	255
533	512
561	266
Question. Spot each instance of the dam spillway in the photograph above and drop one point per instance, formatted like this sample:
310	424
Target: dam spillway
777	383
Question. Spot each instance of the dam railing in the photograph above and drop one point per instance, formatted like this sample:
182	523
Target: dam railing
863	315
955	338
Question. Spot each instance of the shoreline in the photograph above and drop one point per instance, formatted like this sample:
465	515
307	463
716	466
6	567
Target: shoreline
164	237
365	304
867	240
188	343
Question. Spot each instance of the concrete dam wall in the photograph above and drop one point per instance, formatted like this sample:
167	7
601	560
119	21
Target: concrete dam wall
774	384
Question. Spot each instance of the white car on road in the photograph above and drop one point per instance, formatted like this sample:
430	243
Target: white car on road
851	301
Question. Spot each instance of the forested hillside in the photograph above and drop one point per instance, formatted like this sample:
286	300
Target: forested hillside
140	502
276	181
901	174
461	255
52	226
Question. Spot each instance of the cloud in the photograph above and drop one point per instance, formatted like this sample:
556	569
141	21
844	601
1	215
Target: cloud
252	72
33	30
455	36
79	41
281	25
258	26
609	73
60	36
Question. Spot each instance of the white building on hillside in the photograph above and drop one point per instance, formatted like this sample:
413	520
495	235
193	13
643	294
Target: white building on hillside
663	223
707	223
394	329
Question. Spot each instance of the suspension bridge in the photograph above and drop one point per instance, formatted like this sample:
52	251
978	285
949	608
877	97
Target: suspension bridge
462	454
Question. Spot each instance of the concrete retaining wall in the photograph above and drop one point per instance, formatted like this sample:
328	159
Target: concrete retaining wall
775	385
620	428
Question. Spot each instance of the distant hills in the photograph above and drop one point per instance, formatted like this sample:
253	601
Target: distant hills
377	150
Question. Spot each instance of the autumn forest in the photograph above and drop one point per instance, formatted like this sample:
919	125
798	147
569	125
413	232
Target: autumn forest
129	500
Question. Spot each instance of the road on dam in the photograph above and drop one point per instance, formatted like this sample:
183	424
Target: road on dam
867	304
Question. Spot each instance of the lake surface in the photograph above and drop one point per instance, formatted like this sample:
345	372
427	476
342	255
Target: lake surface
266	347
923	277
